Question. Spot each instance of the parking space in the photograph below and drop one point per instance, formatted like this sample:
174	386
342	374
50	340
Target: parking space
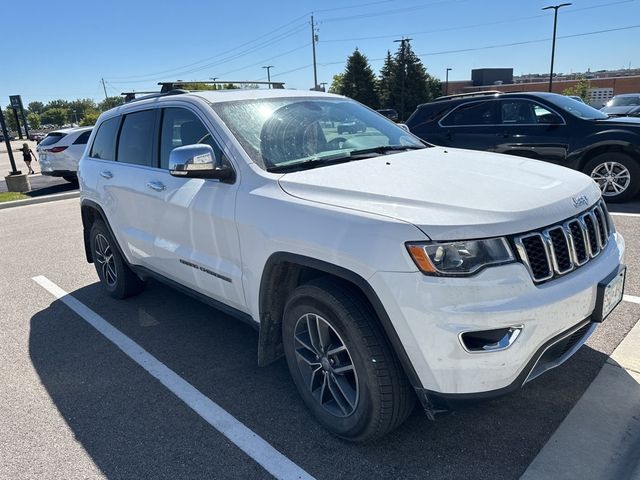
75	405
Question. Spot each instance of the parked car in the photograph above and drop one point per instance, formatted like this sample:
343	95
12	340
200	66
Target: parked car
390	113
625	105
37	136
382	268
542	126
351	126
60	151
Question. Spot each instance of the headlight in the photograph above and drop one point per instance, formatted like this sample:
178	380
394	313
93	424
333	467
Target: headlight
460	258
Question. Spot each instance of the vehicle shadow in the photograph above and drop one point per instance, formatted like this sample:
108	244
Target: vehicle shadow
632	206
132	427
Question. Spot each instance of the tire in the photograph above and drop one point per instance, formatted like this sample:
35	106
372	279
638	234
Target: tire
378	397
624	184
114	273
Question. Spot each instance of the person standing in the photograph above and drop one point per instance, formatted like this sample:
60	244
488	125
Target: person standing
28	156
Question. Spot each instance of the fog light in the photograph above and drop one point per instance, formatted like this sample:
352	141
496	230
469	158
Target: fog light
490	340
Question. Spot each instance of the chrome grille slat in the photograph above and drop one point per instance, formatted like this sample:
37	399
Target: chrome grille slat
560	249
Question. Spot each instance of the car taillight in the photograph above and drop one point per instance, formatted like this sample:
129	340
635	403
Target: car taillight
56	149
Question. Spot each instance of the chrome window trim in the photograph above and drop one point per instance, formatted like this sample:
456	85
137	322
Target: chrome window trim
502	124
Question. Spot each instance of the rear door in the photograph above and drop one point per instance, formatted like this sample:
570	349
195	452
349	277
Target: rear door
533	130
122	183
74	152
471	125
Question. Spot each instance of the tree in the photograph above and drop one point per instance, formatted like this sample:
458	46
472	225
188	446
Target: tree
57	104
10	118
336	84
34	120
55	116
411	84
580	89
82	106
386	81
109	103
89	119
359	81
36	107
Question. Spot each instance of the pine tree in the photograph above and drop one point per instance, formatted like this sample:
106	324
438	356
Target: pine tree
413	86
359	81
386	80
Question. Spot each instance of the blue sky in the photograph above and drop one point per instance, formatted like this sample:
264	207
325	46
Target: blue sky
62	49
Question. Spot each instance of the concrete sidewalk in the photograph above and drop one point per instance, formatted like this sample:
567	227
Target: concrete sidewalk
600	438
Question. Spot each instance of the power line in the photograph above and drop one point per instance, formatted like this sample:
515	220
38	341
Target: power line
394	11
475	25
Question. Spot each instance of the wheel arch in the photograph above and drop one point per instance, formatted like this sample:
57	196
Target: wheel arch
287	271
90	212
612	146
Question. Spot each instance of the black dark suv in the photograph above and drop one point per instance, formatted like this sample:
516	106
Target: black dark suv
543	126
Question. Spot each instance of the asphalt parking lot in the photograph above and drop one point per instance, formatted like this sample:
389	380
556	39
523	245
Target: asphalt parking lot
73	405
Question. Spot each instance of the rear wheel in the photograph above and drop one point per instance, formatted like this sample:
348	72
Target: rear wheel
342	363
617	175
115	275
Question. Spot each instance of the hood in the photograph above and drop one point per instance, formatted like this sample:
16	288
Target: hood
450	194
622	110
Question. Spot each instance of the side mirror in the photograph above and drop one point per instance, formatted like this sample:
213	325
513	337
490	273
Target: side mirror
199	161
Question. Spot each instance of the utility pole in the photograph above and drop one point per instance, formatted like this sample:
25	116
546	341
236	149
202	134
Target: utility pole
553	44
269	67
446	82
105	89
314	39
404	74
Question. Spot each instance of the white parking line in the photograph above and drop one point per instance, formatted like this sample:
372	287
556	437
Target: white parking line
249	442
631	298
622	214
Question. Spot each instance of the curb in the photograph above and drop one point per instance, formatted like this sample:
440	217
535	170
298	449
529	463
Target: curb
42	199
601	435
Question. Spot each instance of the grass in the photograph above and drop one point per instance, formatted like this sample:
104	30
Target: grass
10	196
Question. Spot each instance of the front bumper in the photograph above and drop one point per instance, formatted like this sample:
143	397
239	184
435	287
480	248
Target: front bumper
429	313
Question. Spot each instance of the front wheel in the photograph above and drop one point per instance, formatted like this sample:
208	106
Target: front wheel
617	175
342	363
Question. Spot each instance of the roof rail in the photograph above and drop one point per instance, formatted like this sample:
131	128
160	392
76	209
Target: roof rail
168	86
131	96
470	94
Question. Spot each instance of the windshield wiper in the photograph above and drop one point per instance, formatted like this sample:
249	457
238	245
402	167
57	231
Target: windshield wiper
382	149
347	157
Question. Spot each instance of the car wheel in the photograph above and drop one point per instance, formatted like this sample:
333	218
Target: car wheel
342	363
115	275
617	175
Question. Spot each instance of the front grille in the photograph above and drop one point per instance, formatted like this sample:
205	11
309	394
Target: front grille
559	249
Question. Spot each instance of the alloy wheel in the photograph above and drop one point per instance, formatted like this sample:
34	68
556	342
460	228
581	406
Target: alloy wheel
326	366
104	258
612	177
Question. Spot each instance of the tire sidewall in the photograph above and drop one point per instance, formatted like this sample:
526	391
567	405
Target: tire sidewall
311	299
629	163
99	228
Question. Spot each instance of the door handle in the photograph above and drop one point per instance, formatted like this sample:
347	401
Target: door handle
106	174
157	186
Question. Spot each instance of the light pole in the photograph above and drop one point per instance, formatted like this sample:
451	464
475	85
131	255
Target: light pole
268	67
402	42
75	117
446	82
553	44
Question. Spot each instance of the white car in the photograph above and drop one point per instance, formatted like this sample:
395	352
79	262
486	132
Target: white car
60	151
384	269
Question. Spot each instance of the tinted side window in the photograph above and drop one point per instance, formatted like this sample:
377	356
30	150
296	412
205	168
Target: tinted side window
182	127
136	138
83	138
104	145
524	112
52	138
474	113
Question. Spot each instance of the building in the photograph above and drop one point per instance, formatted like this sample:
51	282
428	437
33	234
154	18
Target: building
603	84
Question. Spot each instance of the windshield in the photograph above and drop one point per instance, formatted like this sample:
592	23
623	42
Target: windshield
281	132
579	109
626	101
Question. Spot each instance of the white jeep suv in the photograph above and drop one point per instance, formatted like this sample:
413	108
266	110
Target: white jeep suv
383	269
